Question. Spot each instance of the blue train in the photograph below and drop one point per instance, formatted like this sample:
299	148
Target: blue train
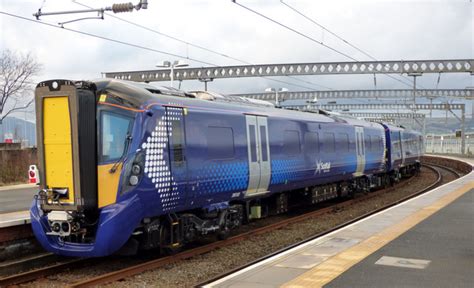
127	166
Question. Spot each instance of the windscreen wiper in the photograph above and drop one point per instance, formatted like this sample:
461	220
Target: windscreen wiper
128	139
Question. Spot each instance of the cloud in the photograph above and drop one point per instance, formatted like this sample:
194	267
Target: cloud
385	29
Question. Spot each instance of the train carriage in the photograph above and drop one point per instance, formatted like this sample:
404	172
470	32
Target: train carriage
127	165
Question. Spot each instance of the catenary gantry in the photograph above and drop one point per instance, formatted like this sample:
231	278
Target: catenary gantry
295	69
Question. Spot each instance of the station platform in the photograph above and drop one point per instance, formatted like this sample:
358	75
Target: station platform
15	202
427	241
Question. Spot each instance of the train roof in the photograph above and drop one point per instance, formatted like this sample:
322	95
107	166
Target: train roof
140	94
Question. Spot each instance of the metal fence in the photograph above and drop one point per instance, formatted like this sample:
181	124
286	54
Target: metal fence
449	144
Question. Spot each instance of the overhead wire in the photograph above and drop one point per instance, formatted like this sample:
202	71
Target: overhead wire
195	45
309	37
346	42
334	34
136	46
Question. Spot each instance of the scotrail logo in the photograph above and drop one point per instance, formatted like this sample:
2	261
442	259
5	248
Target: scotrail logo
322	167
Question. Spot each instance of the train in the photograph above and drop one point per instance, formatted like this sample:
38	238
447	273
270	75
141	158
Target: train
127	166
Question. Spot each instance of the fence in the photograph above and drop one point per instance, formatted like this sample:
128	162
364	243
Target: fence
449	144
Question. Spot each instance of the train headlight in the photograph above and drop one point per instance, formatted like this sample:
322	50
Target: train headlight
56	227
133	180
136	169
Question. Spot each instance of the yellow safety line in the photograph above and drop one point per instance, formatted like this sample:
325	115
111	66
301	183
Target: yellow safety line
338	264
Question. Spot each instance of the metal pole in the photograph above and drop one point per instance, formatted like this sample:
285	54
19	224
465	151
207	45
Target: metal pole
276	99
172	74
424	133
463	136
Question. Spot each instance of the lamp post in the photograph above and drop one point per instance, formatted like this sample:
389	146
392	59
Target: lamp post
276	90
172	65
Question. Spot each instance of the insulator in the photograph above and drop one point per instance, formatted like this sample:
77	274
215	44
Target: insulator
123	7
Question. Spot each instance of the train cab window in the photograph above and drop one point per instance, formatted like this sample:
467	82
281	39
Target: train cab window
329	143
291	144
220	142
311	143
115	129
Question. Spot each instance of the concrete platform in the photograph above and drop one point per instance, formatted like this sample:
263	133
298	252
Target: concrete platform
14	218
15	202
427	241
16	197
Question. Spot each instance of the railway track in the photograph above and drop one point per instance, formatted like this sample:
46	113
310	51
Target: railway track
163	261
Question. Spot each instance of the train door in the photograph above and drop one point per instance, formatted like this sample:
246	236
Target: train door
360	150
258	154
177	154
402	148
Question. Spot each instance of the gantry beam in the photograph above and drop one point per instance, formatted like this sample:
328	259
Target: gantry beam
370	106
381	115
323	68
373	94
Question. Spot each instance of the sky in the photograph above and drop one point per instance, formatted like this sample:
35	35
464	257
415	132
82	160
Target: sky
385	29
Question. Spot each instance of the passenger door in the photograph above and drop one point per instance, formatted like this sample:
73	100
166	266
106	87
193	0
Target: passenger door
360	151
177	155
258	154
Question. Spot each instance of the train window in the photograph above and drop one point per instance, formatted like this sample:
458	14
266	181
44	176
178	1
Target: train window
220	142
376	143
342	142
263	139
291	144
329	145
177	141
253	144
114	130
367	140
311	143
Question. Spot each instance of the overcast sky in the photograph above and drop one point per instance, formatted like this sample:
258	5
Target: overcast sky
387	30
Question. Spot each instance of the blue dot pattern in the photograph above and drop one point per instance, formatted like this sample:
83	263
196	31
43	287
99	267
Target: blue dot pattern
285	170
223	177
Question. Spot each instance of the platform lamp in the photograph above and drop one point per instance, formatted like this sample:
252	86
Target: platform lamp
172	65
276	90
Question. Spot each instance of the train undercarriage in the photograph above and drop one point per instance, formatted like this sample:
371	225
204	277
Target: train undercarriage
172	231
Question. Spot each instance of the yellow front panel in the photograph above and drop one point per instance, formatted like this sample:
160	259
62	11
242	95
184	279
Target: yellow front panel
108	184
57	144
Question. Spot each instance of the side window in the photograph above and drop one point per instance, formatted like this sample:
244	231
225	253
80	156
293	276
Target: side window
220	142
311	143
376	143
329	145
115	128
263	137
291	142
343	142
177	141
253	143
368	146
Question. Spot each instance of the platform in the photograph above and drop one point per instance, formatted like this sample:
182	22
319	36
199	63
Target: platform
427	241
15	202
17	197
14	218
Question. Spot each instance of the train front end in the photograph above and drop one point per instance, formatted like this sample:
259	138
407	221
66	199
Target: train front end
75	212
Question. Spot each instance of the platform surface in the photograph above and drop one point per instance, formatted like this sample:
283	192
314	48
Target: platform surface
15	202
17	197
427	241
438	252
